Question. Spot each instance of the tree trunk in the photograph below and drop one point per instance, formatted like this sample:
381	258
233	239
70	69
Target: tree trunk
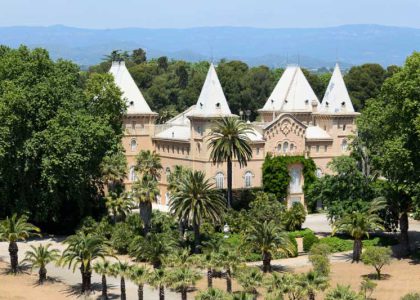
104	288
228	281
86	278
161	292
145	215
404	241
13	252
181	229
184	294
266	262
378	273
209	278
140	292
357	250
196	228
311	295
229	183
42	274
123	294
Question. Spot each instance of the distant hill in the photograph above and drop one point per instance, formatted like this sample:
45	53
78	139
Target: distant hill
310	47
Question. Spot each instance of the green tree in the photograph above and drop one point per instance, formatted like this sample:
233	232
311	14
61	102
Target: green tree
158	279
367	287
16	229
390	129
269	239
228	141
250	279
211	294
163	63
138	56
377	257
140	276
119	205
295	217
228	259
342	292
113	169
196	200
182	279
359	224
313	283
123	270
318	256
103	268
81	250
39	257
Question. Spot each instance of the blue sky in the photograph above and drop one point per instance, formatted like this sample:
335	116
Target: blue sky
192	13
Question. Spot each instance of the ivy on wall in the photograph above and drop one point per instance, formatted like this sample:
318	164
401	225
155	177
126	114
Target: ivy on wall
276	177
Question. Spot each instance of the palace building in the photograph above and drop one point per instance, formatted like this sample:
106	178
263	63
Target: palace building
292	122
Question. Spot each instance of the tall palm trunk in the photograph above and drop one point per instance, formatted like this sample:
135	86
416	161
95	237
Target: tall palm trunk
13	252
229	182
123	294
196	228
86	279
266	258
404	241
145	215
104	288
357	249
184	294
228	281
42	274
161	292
311	295
140	292
209	278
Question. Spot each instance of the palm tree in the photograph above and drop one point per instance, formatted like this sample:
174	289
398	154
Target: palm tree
342	292
228	259
195	201
250	279
148	163
123	270
274	285
242	296
358	225
41	256
118	205
16	229
182	279
139	275
81	250
113	169
103	268
212	294
228	141
158	279
207	261
313	283
269	239
145	192
154	248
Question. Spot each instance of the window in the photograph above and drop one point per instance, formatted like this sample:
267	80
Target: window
220	178
132	175
285	147
344	127
344	145
317	148
295	186
168	173
248	179
133	145
133	125
279	148
292	147
318	173
258	150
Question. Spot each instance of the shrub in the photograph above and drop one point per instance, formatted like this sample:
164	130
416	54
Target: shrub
301	233
337	244
411	296
295	245
341	292
318	256
211	294
377	257
367	287
121	237
309	239
320	249
295	217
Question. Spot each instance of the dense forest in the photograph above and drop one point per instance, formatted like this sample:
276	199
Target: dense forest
171	86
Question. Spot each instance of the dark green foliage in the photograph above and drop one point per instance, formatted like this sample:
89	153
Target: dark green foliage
276	177
295	246
309	239
294	217
122	236
344	243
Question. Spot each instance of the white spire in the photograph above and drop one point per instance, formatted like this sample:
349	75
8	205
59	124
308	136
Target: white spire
136	104
292	93
336	98
212	101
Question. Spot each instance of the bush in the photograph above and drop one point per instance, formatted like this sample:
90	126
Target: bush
344	243
411	296
318	256
377	257
309	239
121	238
301	233
295	217
295	245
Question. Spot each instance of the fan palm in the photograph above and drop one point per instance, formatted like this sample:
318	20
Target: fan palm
103	268
196	200
149	163
39	257
359	224
145	192
313	282
16	229
228	260
228	140
182	279
342	292
242	296
250	279
81	250
158	279
139	275
207	261
113	169
153	248
212	294
118	205
123	270
274	285
268	238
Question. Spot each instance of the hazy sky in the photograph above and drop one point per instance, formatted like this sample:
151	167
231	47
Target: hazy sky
191	13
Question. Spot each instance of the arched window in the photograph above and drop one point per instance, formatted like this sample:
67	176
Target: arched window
279	148
132	175
220	178
168	173
285	147
248	179
133	145
318	173
344	145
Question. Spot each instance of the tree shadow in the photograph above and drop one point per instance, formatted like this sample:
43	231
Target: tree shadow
75	290
22	269
374	276
49	280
